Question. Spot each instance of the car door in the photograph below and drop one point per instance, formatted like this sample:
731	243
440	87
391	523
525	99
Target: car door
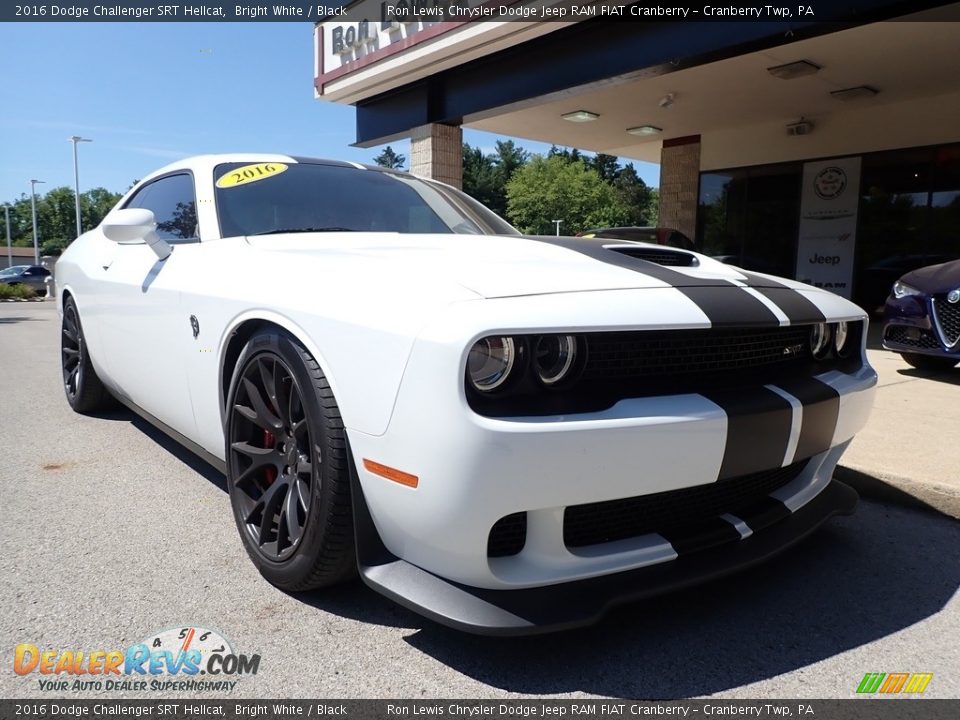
145	334
34	277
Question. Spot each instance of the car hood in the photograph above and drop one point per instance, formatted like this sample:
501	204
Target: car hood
495	266
935	278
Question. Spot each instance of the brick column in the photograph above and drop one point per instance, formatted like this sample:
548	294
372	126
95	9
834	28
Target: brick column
679	184
436	151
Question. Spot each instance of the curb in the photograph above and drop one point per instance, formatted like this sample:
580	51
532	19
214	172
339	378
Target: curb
35	299
926	497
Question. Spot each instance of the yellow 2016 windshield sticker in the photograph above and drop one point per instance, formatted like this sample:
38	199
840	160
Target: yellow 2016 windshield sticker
249	174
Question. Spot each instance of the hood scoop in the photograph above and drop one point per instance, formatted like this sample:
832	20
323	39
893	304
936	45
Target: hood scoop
656	254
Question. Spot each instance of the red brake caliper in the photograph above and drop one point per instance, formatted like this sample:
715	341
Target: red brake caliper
270	472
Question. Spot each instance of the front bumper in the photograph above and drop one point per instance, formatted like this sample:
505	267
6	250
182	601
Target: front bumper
910	327
474	471
583	602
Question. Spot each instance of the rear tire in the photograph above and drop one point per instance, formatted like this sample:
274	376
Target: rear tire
85	393
288	471
928	362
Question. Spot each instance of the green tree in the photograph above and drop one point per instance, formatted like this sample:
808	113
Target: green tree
607	166
56	217
480	180
390	159
565	153
485	176
554	188
639	199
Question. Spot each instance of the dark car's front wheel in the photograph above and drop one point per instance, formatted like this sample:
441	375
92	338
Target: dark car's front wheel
83	388
928	362
287	466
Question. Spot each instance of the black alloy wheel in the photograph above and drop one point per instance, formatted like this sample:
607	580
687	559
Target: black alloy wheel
85	393
71	352
287	467
274	454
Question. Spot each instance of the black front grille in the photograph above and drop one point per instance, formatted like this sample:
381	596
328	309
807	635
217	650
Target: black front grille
658	256
508	535
603	522
911	337
675	353
948	320
650	363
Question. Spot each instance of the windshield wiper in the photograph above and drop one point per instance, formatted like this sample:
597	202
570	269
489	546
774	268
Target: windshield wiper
276	231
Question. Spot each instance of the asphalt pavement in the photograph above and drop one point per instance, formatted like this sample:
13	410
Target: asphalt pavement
111	532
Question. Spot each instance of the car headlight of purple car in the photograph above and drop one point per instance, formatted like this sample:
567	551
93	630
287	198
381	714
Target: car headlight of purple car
902	290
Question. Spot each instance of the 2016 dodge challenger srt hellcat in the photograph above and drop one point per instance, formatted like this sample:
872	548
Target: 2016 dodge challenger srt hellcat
507	434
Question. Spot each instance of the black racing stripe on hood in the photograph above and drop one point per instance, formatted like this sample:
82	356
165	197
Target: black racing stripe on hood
594	248
799	309
723	302
731	308
758	430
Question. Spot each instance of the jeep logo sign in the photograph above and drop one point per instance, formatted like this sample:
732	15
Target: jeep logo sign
828	224
825	259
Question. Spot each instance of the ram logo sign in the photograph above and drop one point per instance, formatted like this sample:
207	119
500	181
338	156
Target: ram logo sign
894	683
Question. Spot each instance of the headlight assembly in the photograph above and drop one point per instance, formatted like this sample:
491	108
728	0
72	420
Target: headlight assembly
902	290
820	340
841	335
554	357
490	362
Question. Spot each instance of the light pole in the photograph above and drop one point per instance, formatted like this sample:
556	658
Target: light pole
76	177
33	207
6	213
558	223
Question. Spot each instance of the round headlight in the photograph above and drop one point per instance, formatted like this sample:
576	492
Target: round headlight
841	333
554	357
820	340
490	361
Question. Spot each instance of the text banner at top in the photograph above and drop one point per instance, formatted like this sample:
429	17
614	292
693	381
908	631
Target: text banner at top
412	11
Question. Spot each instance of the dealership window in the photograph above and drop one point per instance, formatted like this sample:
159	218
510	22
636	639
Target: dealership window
748	216
909	217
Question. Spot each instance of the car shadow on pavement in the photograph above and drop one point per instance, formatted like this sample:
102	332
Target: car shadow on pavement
857	580
950	377
191	460
16	318
355	601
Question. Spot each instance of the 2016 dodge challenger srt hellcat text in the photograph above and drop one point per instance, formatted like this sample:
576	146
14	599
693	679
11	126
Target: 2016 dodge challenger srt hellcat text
507	434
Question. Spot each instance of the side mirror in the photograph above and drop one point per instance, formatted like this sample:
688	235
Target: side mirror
133	225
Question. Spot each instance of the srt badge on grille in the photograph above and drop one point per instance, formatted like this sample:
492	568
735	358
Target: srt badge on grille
793	349
953	296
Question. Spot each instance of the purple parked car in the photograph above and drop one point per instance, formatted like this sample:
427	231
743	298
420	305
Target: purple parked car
923	317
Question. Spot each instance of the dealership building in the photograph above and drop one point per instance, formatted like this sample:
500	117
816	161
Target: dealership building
825	148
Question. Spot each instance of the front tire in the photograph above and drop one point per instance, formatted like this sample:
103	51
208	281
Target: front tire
85	393
287	466
928	362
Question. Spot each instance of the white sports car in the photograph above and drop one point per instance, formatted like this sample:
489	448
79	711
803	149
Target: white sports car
507	434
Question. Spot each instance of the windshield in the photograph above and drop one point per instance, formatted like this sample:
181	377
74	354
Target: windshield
15	270
266	198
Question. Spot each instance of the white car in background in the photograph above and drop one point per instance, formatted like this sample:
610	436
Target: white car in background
507	434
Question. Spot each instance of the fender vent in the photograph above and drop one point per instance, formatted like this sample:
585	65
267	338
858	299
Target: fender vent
660	256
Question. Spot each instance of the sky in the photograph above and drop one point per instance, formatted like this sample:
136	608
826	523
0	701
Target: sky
150	93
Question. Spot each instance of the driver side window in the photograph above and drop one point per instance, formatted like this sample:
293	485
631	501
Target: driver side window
173	203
